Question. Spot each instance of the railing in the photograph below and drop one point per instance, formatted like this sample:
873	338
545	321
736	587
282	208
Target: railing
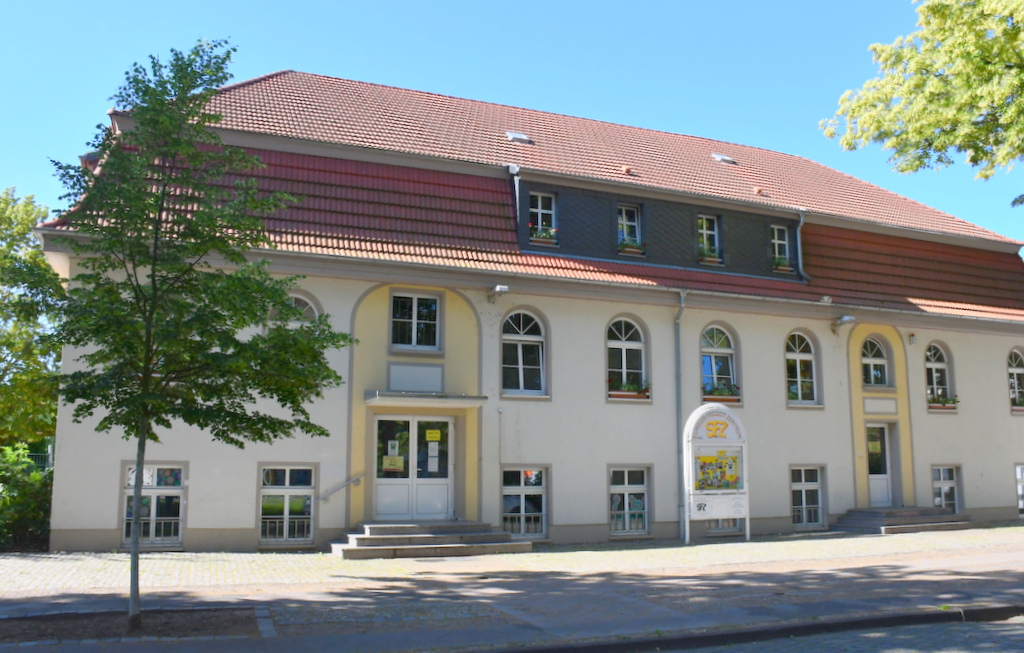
43	461
353	481
278	528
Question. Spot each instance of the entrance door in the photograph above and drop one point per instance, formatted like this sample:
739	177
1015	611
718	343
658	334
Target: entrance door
879	480
414	476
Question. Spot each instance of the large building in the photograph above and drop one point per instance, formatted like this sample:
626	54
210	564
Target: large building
541	301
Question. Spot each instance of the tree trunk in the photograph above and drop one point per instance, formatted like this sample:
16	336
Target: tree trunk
134	600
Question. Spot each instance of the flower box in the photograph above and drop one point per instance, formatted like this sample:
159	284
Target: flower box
1017	410
942	407
710	260
550	242
632	250
722	399
628	394
783	268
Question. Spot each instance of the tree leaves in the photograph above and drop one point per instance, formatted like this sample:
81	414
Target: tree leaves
954	87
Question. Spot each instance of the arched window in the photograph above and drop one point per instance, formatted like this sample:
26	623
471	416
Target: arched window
800	386
305	306
936	369
1015	366
626	358
874	363
718	369
522	354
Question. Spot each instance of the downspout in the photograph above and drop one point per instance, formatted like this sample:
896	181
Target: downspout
799	246
684	522
513	169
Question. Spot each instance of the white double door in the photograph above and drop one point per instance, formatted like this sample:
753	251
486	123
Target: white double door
414	477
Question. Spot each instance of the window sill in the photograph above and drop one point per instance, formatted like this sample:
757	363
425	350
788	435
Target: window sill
942	408
544	242
784	269
1017	410
630	535
723	399
528	397
805	406
398	350
880	389
628	396
633	251
711	261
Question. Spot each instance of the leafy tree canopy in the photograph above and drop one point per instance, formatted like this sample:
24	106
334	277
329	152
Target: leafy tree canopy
172	311
954	86
28	361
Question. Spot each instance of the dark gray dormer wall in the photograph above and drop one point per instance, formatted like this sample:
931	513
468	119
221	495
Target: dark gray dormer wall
587	225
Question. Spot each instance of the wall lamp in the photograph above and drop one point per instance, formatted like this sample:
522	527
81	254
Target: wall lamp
842	321
496	292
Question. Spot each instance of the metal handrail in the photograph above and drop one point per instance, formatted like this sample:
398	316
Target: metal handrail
354	481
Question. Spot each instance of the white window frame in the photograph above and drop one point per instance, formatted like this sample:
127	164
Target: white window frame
937	375
946	487
629	225
157	530
780	243
708	235
287	529
521	340
871	361
543	220
799	355
1019	471
805	482
625	337
632	518
531	485
713	349
1015	368
414	322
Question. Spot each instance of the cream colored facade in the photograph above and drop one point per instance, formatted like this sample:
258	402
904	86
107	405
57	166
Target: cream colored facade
573	432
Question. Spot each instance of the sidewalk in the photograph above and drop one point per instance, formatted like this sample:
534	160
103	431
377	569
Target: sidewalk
610	597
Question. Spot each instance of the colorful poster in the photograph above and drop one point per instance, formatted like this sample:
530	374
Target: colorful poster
718	472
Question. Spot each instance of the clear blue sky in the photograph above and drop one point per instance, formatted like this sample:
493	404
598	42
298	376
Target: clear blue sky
746	71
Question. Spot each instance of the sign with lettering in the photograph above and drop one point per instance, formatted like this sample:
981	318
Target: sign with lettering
715	466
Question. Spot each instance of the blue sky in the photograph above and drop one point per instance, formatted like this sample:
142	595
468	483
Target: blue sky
745	71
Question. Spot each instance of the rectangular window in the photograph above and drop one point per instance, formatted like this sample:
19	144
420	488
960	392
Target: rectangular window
543	225
629	225
780	246
160	510
1020	491
805	490
724	526
524	502
286	505
415	321
944	487
628	500
708	240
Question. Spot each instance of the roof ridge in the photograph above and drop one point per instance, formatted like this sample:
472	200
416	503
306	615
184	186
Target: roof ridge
254	80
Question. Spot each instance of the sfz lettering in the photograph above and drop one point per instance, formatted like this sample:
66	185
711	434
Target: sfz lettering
716	428
702	507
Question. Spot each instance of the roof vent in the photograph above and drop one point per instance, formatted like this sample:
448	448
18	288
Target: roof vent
518	137
723	158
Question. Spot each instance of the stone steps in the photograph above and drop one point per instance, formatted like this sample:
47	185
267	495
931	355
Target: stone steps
427	540
890	521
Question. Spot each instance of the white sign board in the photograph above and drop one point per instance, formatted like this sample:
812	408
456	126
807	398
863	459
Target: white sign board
715	466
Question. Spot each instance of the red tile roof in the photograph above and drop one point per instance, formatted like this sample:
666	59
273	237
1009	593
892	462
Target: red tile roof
324	109
458	221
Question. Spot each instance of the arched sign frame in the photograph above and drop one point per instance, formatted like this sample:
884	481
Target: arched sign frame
715	474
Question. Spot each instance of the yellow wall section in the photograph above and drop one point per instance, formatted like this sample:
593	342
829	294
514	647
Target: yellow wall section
899	422
370	358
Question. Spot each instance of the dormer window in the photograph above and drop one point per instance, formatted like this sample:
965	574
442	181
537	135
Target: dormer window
708	240
781	258
543	224
629	227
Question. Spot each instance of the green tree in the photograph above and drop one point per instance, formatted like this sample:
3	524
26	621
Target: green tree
24	500
173	314
28	361
954	86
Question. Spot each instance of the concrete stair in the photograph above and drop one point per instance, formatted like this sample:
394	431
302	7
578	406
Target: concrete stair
427	540
889	521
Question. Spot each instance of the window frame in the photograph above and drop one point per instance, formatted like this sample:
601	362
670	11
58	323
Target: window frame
628	514
938	392
626	379
727	388
796	356
946	478
709	238
522	525
869	364
543	221
413	347
803	486
782	256
624	223
1015	370
520	340
153	493
287	491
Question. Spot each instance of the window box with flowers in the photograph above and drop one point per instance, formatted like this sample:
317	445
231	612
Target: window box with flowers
941	403
709	255
724	393
618	390
543	235
781	264
629	247
1017	406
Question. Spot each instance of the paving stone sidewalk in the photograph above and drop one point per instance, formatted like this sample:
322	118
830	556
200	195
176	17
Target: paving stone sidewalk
557	596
